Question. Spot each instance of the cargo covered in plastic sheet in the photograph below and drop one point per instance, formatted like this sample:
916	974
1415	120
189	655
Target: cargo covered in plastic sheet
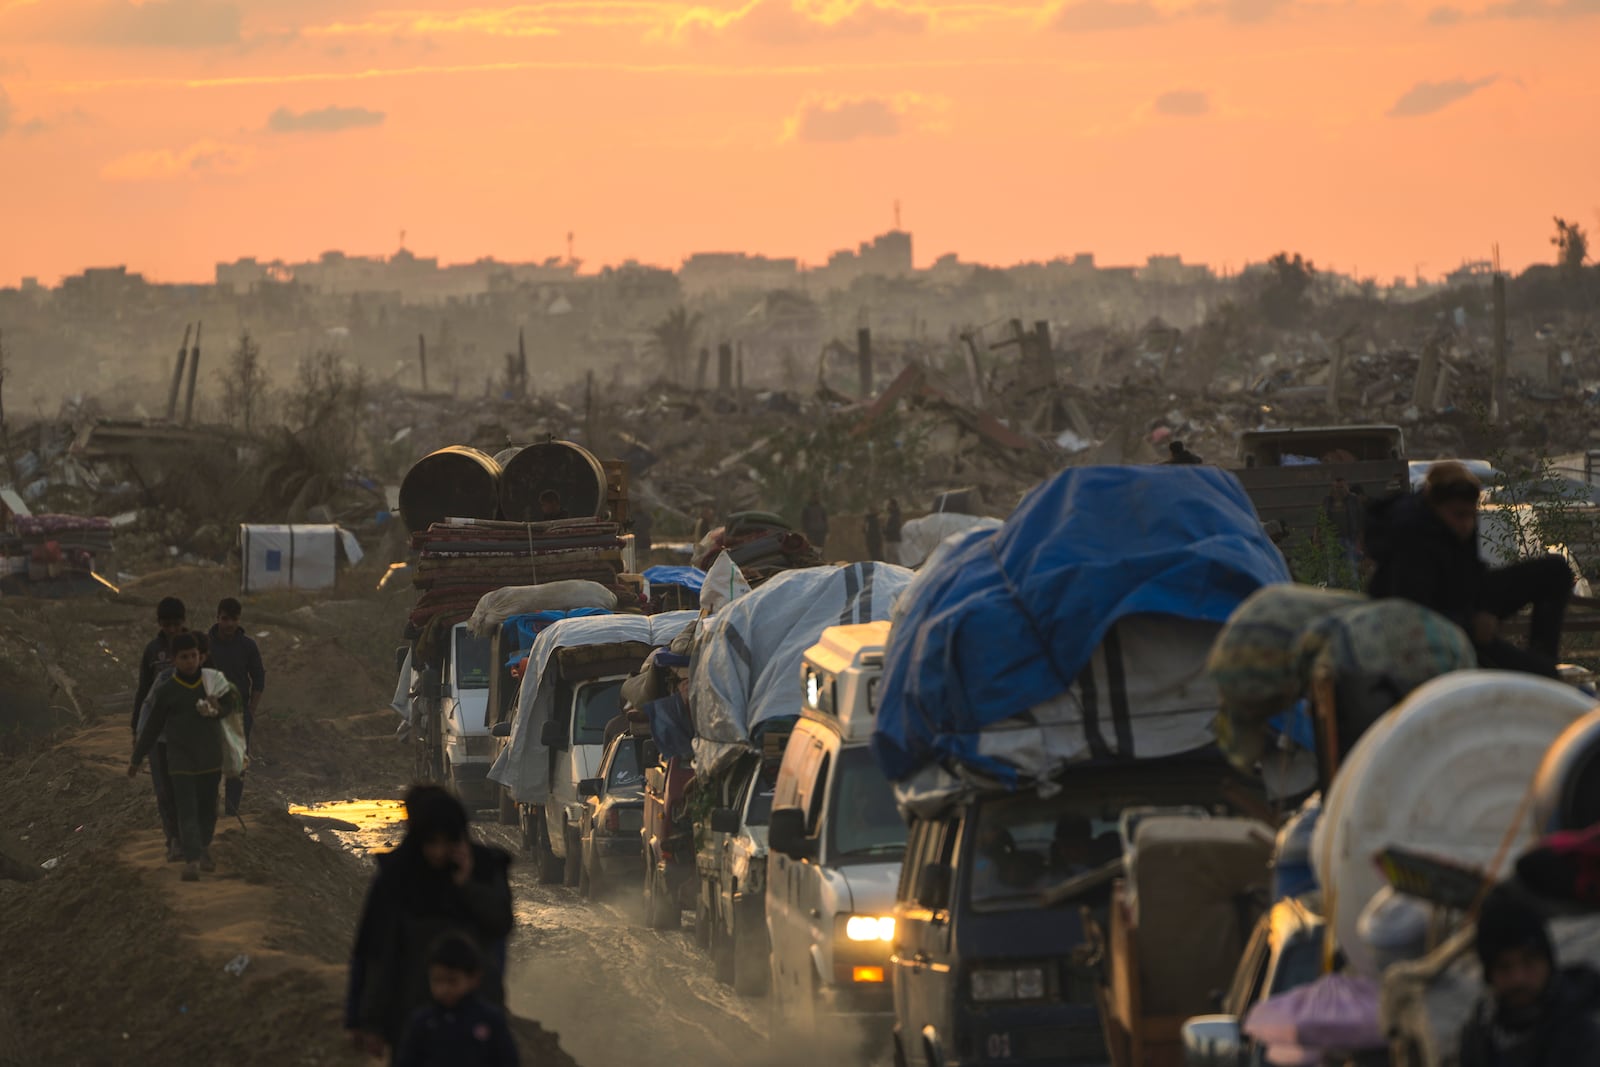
1077	631
524	765
745	669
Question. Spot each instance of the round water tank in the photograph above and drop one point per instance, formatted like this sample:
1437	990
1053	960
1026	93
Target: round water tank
505	455
1568	793
568	470
1446	773
455	482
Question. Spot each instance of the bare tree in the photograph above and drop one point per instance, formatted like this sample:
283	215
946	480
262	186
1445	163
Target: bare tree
674	338
1572	246
244	383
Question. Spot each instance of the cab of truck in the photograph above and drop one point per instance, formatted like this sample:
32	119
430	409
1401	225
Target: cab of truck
467	748
993	960
836	839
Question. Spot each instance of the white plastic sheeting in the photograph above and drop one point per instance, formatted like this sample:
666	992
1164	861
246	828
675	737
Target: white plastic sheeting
919	537
1148	696
292	557
745	668
523	765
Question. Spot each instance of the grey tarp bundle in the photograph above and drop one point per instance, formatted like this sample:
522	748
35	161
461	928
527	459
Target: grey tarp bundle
746	664
1145	695
523	766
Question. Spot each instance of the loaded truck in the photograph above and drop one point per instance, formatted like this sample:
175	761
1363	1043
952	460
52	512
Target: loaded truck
1287	473
470	517
552	739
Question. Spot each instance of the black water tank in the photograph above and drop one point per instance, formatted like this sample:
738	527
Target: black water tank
455	482
569	470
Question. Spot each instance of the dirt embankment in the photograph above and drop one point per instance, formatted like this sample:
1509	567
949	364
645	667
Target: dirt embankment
109	957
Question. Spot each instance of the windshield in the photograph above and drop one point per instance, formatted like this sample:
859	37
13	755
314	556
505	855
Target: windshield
1025	845
598	703
625	776
472	661
864	826
760	811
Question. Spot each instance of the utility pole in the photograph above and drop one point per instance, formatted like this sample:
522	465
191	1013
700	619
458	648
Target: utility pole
177	374
1497	402
864	355
724	367
522	362
194	375
422	359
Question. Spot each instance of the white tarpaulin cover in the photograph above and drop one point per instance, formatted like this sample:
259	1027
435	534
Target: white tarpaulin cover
919	537
746	663
1146	694
523	766
496	607
289	557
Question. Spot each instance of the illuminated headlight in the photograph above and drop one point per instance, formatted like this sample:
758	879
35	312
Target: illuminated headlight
869	928
1021	983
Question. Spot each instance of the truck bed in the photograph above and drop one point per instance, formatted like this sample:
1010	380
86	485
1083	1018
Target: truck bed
1293	495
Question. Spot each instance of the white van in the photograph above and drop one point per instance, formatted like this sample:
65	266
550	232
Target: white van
835	841
446	706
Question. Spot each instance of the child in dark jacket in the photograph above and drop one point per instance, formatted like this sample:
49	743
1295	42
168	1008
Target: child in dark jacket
458	1029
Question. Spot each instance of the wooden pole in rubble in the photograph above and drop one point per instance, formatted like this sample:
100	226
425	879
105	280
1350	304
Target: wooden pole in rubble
177	373
422	359
864	354
194	375
1497	401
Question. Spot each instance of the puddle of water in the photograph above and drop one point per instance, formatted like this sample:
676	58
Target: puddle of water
362	826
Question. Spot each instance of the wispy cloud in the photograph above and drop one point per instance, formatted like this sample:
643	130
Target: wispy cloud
177	24
1516	9
1183	103
1426	98
5	111
1093	16
826	119
199	160
788	22
324	120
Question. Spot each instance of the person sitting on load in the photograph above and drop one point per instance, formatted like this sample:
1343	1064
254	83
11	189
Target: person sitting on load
550	508
1425	546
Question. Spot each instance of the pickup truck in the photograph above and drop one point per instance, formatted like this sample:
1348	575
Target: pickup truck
1288	473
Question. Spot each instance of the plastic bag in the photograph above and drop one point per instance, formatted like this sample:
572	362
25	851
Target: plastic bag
1336	1011
234	757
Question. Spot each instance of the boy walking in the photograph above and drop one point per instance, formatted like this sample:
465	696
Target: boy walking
458	1028
236	655
188	717
171	620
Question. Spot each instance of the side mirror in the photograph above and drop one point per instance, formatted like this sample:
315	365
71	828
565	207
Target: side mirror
786	833
1213	1041
501	729
724	821
551	735
591	787
933	886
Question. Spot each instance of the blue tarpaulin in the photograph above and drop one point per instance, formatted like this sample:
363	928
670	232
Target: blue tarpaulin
1007	619
690	578
522	630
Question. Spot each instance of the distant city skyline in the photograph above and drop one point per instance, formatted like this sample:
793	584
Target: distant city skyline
1373	136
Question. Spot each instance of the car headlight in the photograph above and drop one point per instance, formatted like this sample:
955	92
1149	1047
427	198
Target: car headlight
1011	983
869	928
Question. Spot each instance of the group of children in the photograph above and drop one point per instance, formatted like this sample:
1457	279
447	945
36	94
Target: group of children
189	684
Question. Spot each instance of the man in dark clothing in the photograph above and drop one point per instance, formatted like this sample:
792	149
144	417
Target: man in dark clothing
814	522
1535	1015
872	528
1178	454
457	1029
892	525
236	655
438	881
188	717
1425	547
171	620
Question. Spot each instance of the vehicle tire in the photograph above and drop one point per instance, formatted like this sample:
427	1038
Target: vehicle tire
508	808
749	958
573	874
721	948
660	910
900	1053
586	887
550	865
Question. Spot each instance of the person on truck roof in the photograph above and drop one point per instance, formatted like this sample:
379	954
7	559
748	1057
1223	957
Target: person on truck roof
1178	453
550	509
1534	1014
1425	546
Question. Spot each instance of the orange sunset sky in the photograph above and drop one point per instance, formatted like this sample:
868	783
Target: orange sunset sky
1372	135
